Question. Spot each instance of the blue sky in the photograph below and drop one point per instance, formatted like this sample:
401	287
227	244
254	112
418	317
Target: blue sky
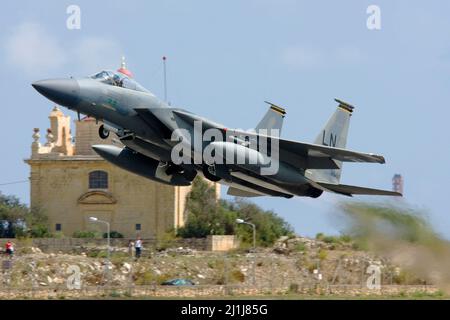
226	57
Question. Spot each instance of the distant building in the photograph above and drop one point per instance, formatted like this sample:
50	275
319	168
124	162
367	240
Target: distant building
71	183
397	183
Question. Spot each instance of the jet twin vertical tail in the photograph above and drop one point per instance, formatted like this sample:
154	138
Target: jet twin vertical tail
334	135
273	119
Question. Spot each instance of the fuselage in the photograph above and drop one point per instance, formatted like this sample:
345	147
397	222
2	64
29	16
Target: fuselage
121	106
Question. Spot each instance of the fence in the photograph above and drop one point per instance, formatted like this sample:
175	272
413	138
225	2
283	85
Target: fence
214	274
202	291
251	274
77	244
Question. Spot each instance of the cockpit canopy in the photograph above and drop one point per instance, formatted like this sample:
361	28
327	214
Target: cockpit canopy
118	79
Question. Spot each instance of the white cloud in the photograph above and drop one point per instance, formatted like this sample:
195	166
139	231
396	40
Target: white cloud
304	57
36	51
32	49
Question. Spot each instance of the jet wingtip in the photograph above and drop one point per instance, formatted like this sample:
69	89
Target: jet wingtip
379	159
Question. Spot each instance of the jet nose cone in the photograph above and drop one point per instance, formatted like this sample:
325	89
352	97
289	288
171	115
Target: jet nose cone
64	92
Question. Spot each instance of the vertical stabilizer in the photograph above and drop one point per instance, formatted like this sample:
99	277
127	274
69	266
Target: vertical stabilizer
273	119
334	135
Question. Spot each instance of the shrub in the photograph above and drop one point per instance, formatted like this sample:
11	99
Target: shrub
97	254
319	236
345	238
322	255
118	258
85	234
149	277
300	247
25	250
167	240
115	294
330	239
312	266
237	276
293	288
58	235
113	234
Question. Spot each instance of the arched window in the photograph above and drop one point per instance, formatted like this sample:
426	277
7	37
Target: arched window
98	180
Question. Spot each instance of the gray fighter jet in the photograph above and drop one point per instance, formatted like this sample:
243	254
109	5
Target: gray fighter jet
155	136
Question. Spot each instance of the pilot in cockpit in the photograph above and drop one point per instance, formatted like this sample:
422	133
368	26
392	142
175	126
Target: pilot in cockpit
119	80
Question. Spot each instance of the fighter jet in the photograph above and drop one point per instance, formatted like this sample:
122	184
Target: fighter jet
154	137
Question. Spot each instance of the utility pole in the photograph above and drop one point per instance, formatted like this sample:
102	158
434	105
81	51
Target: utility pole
108	229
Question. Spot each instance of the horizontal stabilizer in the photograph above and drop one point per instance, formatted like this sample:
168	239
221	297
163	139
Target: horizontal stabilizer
351	190
241	193
315	155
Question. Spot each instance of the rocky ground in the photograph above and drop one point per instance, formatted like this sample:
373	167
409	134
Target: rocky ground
292	263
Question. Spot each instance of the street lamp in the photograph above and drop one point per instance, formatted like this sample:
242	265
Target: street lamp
241	221
95	219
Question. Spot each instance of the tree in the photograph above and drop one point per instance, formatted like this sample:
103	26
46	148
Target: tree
269	225
16	219
36	223
12	213
207	216
203	211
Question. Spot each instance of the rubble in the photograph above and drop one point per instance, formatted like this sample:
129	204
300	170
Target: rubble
291	261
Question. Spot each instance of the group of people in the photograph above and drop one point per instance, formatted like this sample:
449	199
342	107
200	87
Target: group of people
137	247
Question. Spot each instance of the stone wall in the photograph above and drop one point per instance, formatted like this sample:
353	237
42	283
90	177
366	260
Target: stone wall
222	243
213	291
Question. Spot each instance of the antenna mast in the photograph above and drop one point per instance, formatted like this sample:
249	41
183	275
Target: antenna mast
165	78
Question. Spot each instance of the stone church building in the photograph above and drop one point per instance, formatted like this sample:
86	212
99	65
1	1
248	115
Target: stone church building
71	183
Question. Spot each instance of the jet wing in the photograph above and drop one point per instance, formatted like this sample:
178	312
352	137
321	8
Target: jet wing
191	118
148	116
298	154
319	151
312	156
350	190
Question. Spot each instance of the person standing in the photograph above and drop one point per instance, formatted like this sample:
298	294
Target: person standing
9	248
138	247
